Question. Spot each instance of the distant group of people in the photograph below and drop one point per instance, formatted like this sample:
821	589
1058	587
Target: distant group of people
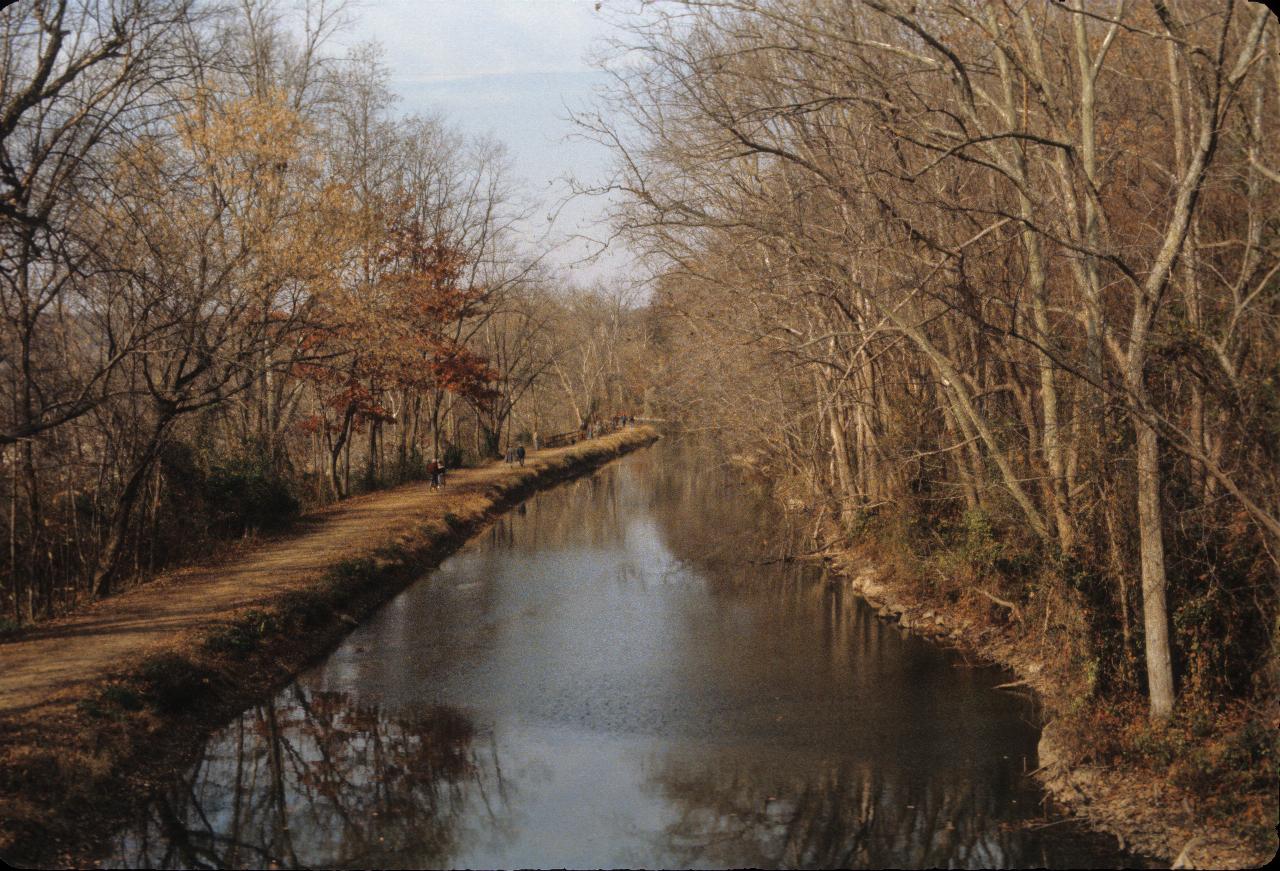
591	429
436	470
588	429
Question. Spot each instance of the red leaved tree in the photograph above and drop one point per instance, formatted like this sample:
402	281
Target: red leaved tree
389	333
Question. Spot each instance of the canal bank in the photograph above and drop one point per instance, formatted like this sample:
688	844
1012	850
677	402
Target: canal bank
97	708
1145	812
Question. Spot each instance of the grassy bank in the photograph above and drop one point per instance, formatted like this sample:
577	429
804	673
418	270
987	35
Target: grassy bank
74	767
1199	791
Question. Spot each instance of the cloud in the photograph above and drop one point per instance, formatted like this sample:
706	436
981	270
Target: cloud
442	39
507	68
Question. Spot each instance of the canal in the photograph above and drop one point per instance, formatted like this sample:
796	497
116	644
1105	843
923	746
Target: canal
621	673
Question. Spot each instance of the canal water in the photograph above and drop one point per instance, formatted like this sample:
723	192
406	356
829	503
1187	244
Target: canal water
622	673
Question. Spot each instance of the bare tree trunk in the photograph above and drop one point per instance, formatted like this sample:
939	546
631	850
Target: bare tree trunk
108	563
1155	615
1120	572
840	453
340	485
13	543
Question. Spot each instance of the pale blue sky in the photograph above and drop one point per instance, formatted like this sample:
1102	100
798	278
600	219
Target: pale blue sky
509	68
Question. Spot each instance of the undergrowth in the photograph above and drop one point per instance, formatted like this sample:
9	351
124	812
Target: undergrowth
1224	755
1221	745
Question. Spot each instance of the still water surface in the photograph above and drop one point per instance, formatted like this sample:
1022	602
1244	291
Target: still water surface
619	674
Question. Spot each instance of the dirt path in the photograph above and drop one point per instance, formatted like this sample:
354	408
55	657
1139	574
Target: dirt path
53	664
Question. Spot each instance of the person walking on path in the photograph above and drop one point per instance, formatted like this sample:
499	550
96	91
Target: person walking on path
433	469
520	454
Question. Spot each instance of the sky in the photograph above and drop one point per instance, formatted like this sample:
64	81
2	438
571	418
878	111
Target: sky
512	69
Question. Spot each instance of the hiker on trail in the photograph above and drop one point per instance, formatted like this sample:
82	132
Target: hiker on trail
511	456
433	469
520	454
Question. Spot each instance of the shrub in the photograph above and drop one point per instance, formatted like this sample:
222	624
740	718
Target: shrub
392	553
171	682
304	607
121	697
111	701
244	634
351	573
244	493
453	458
980	548
414	467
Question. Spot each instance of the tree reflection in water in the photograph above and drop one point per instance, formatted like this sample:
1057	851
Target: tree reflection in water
956	807
846	817
312	777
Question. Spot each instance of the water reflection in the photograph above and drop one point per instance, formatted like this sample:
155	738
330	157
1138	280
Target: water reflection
317	778
841	815
625	674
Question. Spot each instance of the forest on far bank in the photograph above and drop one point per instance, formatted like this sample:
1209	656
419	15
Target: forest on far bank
995	288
